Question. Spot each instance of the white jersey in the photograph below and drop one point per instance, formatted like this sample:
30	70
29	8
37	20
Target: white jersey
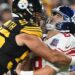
64	42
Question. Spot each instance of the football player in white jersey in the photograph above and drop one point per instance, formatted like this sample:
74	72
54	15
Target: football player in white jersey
62	41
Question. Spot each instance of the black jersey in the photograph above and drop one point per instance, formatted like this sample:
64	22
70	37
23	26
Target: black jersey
10	52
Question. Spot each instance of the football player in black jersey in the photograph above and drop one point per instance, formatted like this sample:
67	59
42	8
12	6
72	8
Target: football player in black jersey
20	35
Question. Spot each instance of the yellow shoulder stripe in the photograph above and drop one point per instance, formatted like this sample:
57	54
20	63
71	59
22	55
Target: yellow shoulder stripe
5	32
2	41
32	31
9	66
7	23
22	57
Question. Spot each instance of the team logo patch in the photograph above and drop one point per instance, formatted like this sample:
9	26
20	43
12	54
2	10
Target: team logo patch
23	4
54	42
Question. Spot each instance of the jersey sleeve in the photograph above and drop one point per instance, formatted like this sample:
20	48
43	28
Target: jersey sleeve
6	62
32	30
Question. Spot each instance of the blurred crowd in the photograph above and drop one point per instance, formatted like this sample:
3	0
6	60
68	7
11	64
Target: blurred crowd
5	11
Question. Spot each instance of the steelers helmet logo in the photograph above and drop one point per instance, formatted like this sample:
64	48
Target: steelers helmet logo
23	4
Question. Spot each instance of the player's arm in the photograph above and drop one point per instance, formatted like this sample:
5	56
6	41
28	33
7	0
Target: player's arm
38	47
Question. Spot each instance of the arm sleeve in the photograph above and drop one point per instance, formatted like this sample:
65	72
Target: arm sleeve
6	61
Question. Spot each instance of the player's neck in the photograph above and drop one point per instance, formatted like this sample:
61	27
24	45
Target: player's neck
52	33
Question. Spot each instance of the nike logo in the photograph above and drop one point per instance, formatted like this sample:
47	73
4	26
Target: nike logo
67	46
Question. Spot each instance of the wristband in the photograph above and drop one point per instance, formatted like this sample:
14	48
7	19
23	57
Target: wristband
73	60
26	73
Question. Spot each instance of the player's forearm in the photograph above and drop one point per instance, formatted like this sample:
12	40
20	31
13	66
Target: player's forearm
35	44
52	56
38	47
61	58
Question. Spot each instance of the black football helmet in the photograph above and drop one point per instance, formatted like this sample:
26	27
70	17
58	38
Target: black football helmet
26	7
